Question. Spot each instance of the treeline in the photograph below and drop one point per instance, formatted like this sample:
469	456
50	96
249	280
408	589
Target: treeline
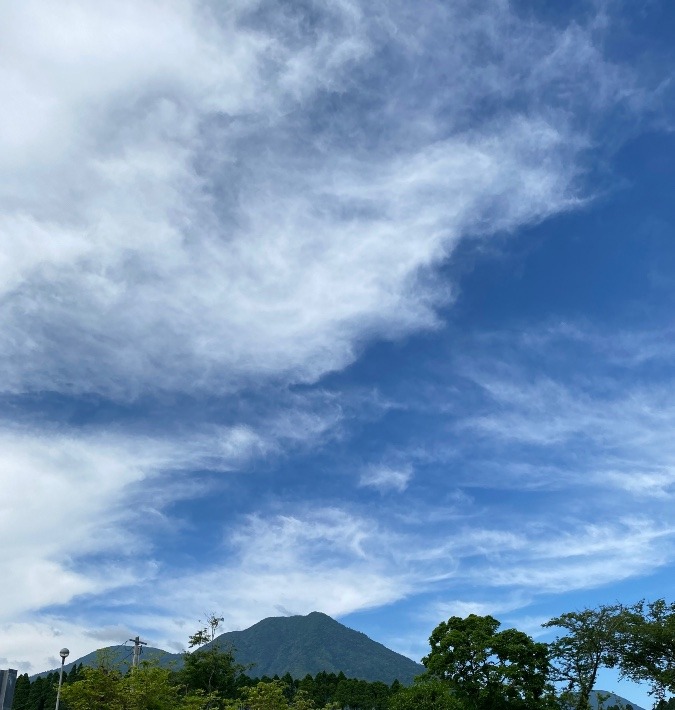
331	688
40	694
322	690
472	665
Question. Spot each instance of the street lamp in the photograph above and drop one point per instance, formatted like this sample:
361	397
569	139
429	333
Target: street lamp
64	654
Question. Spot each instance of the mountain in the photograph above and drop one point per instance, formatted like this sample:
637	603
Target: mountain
599	700
120	657
304	644
308	644
289	644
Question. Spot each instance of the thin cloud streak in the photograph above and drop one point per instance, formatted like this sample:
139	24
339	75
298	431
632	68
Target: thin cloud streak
617	429
281	256
386	478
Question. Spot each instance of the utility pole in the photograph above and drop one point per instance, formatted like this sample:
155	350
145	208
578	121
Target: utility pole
137	650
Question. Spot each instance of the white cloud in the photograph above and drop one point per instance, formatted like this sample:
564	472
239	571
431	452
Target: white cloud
171	224
69	496
339	562
335	561
64	497
587	556
324	560
41	639
386	477
498	607
617	430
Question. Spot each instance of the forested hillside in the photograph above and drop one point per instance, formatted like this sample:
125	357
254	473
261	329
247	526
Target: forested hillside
302	645
472	664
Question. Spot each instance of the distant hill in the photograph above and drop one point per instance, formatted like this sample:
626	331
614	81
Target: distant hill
308	644
613	700
121	657
298	645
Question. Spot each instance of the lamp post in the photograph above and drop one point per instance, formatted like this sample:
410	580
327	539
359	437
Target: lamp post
63	653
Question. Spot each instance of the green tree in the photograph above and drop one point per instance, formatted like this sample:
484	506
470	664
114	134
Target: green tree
264	696
302	701
75	673
427	693
361	694
647	645
290	686
51	682
21	693
487	668
99	688
36	696
211	670
144	688
591	642
321	688
208	632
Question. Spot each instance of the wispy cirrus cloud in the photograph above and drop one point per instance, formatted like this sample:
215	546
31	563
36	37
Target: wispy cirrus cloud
386	478
607	424
217	209
83	507
324	559
346	562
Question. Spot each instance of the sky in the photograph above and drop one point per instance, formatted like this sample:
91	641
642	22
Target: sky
357	307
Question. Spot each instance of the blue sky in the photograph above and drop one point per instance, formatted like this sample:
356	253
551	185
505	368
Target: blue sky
356	307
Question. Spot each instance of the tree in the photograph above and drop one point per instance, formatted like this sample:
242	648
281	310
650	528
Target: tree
48	699
302	701
36	695
100	688
272	695
591	643
427	693
263	696
647	645
21	692
208	632
290	686
143	688
210	669
487	668
75	673
361	694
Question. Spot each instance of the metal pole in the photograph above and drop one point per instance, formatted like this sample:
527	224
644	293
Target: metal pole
137	650
63	653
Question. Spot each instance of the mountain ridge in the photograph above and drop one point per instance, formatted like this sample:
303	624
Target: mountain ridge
599	700
281	644
299	645
319	643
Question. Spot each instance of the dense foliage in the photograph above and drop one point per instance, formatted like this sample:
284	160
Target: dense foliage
487	669
41	693
589	644
647	645
472	665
